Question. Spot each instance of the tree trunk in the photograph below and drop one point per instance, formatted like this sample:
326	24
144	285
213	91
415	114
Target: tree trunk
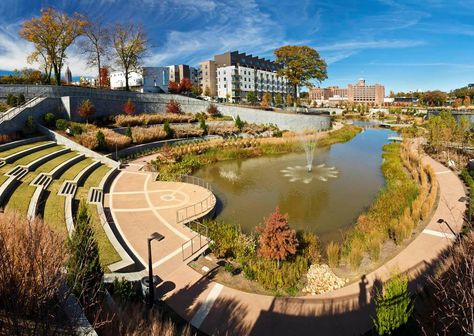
98	65
127	88
295	91
57	74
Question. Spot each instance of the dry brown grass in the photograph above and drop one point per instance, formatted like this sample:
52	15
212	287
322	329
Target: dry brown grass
31	261
147	134
152	119
332	252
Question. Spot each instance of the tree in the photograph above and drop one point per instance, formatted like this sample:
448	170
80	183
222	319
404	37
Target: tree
173	87
129	107
173	107
278	99
467	101
185	85
95	45
40	56
301	64
239	123
251	97
52	33
207	91
202	125
393	306
266	99
129	44
457	102
86	109
277	241
84	271
434	98
289	99
196	90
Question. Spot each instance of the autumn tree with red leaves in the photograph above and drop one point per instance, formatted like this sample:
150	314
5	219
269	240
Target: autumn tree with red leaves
173	87
277	241
173	107
86	109
185	85
129	107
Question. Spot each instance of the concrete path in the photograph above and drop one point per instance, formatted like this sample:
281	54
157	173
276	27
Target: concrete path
140	207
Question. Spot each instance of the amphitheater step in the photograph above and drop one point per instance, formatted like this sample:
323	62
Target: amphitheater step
42	180
25	152
17	143
68	188
38	162
18	172
95	196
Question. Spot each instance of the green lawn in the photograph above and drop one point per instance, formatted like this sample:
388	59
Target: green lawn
108	254
20	199
36	155
20	148
54	206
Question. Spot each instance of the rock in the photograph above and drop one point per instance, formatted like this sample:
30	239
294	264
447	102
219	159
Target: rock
321	279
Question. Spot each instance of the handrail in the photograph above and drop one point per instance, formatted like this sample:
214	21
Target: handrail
184	214
14	111
199	227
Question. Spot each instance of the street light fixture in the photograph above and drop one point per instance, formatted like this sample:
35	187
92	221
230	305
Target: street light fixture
151	289
441	221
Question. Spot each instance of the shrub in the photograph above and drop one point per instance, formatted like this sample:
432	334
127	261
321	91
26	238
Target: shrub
11	100
88	140
245	247
21	99
203	126
393	306
101	144
62	124
147	134
355	254
309	246
128	132
173	107
49	119
124	290
152	119
224	237
168	130
213	111
129	107
29	125
332	253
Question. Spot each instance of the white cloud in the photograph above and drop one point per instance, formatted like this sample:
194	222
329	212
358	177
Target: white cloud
371	44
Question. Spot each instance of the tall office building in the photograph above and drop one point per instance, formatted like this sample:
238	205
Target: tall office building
68	76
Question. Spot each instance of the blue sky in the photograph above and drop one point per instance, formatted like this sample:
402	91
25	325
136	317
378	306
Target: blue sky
405	45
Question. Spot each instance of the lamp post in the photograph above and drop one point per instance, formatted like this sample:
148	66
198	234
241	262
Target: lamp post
151	289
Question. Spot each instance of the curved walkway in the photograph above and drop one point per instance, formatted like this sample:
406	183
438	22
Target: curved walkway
216	309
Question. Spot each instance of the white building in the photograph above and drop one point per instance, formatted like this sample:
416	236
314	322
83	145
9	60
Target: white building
149	79
235	82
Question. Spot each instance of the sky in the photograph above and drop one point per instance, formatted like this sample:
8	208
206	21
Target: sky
406	45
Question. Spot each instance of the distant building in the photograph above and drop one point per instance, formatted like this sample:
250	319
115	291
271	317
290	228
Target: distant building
358	93
207	77
233	75
180	71
363	93
148	79
68	76
470	85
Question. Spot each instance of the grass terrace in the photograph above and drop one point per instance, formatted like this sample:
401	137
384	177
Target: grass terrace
21	148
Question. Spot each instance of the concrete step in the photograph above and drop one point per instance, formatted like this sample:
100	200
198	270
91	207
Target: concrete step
42	180
68	188
95	196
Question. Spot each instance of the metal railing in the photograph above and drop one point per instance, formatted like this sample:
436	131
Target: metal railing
187	213
197	242
14	111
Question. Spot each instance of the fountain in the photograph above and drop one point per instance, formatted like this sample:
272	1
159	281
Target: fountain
309	144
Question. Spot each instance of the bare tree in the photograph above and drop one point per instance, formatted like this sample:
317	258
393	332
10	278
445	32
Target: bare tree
130	45
96	44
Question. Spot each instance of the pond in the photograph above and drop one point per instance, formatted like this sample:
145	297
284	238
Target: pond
345	180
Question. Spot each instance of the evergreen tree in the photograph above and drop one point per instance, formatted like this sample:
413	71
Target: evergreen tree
84	271
239	123
278	99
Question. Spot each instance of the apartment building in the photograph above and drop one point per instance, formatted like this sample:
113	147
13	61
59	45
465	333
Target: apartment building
236	74
363	93
147	79
180	71
207	77
358	93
